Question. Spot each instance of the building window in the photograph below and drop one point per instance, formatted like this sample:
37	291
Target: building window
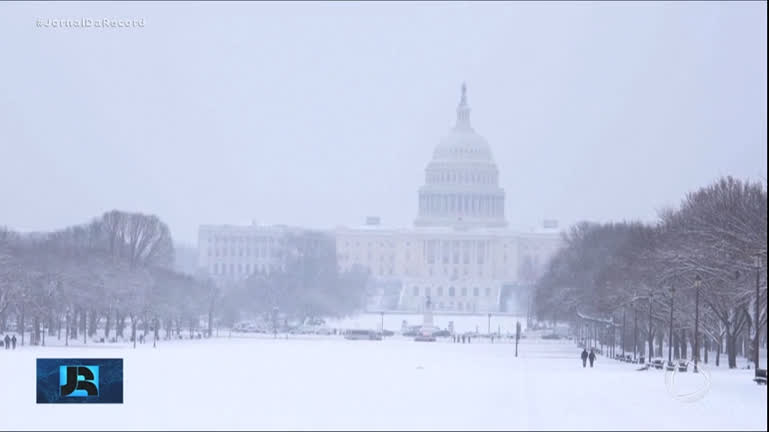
416	291
451	291
445	252
488	292
464	291
440	291
475	291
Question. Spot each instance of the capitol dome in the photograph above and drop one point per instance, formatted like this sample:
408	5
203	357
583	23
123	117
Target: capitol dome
462	181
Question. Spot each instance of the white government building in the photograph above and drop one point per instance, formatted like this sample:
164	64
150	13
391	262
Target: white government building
459	252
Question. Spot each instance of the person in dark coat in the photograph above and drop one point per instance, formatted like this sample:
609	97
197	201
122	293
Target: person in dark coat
591	357
584	357
7	342
13	341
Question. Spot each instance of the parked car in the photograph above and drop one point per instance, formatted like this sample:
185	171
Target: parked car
425	335
362	335
441	333
411	331
303	330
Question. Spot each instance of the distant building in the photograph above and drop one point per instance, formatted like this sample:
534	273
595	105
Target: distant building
459	252
230	253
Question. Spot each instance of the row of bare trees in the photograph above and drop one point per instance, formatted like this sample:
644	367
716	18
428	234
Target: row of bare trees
700	264
113	272
307	285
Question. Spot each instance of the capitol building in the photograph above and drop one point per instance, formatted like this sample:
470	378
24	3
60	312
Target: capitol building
460	251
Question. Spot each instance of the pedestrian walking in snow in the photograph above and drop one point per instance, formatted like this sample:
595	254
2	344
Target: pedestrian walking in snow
584	357
13	341
591	357
7	342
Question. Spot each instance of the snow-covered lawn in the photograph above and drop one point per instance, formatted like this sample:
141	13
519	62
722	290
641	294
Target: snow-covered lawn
328	382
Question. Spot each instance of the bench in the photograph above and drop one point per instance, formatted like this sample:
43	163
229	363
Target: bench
683	366
760	377
670	366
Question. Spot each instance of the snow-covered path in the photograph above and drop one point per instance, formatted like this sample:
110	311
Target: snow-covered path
321	383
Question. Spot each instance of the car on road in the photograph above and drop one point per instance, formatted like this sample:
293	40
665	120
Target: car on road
362	335
411	331
425	335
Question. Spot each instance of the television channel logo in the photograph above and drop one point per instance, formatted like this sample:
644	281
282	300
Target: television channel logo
79	380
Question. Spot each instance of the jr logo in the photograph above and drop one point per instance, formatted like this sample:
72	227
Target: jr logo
79	381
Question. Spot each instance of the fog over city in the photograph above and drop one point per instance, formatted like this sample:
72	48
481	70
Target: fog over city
320	114
383	215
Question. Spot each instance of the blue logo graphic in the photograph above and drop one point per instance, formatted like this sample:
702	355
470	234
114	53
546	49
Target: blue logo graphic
62	380
79	381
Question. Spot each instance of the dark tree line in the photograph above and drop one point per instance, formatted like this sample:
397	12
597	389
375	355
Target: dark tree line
634	271
114	277
113	273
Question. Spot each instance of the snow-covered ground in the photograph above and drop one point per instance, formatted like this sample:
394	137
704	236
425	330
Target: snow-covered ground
314	382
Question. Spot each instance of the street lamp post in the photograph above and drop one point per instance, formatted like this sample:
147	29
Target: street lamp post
382	316
635	326
489	331
757	262
635	331
623	334
275	322
697	283
670	336
651	339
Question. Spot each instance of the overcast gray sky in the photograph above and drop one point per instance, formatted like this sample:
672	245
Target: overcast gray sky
318	114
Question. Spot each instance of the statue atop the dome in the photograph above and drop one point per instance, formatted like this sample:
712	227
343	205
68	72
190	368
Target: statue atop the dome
463	110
